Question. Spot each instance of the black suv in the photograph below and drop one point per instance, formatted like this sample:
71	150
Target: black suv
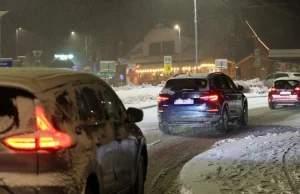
201	99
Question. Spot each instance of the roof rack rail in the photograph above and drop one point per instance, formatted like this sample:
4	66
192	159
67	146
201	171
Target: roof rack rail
217	73
181	74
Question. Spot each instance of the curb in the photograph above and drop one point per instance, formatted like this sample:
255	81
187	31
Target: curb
146	107
256	96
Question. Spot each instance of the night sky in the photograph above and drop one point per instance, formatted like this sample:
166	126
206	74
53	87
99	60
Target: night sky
47	24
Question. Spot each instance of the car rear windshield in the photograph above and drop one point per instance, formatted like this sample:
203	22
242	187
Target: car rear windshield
187	84
16	112
286	84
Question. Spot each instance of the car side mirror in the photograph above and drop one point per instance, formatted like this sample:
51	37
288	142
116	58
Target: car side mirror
135	115
240	88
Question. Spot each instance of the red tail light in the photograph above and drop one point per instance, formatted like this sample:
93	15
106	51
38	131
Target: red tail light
46	137
272	90
161	98
297	89
210	98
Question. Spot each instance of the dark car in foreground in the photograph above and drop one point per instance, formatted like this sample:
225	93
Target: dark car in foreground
66	132
201	99
285	92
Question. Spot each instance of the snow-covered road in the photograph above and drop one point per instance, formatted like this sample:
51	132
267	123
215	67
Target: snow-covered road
171	152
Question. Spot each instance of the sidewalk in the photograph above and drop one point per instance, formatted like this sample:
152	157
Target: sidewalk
268	164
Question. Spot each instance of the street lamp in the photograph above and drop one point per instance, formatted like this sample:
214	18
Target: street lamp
196	32
177	27
86	45
17	41
2	13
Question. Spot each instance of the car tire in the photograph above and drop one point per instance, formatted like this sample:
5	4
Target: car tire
243	120
92	186
165	129
139	185
272	106
90	189
222	125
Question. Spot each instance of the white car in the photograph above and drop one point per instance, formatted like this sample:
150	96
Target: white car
272	77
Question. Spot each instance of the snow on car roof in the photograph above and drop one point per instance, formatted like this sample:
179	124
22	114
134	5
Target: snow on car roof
38	80
31	73
286	78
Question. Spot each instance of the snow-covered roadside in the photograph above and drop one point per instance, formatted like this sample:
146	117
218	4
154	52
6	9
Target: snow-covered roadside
267	164
138	96
146	96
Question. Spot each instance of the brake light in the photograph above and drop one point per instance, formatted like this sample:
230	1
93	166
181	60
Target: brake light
45	138
210	98
297	89
272	89
212	110
161	98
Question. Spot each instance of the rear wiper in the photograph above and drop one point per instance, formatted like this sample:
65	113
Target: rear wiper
188	89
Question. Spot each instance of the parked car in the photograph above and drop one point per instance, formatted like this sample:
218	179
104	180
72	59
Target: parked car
272	77
66	132
285	92
201	99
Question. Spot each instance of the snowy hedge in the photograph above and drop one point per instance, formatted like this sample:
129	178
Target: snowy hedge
252	85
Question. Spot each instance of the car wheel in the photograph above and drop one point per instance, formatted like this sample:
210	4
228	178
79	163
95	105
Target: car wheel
222	125
243	120
165	129
90	189
271	106
140	179
92	186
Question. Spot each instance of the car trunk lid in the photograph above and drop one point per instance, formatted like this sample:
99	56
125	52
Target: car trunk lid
16	118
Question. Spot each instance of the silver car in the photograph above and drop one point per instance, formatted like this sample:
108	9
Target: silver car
272	77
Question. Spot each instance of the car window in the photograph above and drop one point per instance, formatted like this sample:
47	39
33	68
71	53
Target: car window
88	106
110	103
187	84
278	75
286	84
221	83
270	77
297	74
65	109
231	84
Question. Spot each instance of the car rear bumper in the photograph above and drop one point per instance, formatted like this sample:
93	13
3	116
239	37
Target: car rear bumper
188	118
285	100
48	183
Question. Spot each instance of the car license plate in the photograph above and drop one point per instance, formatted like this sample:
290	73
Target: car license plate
184	101
285	93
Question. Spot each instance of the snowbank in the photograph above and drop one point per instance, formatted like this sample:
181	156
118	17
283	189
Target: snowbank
140	96
145	95
265	164
252	86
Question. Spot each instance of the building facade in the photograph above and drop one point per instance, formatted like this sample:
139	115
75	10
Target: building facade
146	60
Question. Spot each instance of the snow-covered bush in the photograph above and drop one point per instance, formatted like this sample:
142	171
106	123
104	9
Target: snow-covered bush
253	85
125	87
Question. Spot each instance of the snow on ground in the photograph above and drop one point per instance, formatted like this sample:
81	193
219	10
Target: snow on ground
266	164
253	87
145	95
140	96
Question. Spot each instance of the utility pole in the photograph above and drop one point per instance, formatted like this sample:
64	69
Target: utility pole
2	13
196	34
